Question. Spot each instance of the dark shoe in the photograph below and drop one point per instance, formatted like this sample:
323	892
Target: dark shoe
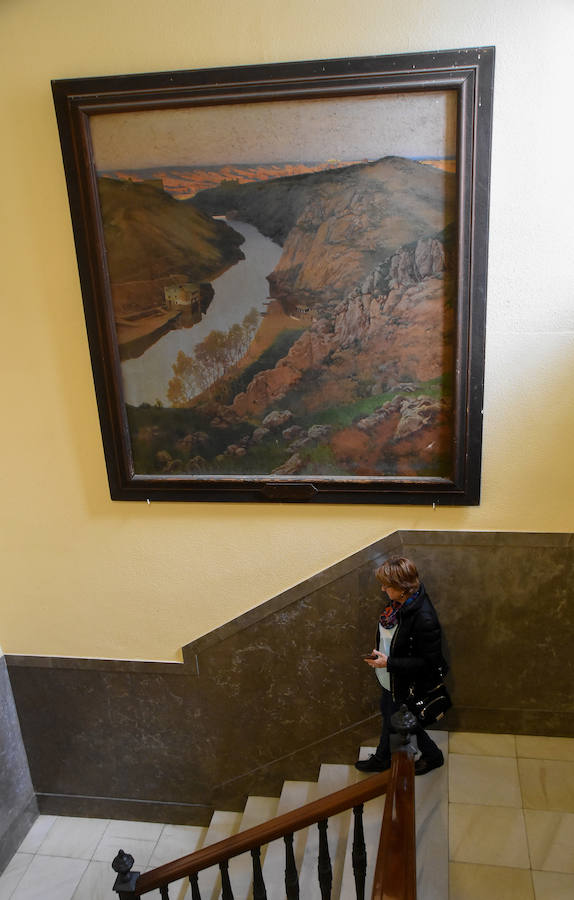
373	764
422	766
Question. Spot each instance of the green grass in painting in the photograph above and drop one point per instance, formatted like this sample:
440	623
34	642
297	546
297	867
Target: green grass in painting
344	416
321	461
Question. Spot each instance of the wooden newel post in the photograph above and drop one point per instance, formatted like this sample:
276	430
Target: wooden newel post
125	883
404	723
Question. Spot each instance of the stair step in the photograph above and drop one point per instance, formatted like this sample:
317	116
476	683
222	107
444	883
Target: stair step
293	795
257	810
372	821
431	812
365	752
223	824
431	802
175	841
331	778
431	815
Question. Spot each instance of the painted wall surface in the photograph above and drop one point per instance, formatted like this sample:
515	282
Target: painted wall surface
87	577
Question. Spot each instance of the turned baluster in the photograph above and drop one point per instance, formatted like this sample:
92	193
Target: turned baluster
359	853
193	883
291	876
259	892
324	865
226	892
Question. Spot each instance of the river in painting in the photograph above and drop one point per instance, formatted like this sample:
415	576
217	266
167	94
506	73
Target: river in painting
237	291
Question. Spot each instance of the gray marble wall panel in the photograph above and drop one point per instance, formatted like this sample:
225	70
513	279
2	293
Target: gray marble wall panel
505	606
18	807
281	689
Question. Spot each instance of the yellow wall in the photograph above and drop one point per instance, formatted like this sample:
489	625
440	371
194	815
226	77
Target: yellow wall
85	576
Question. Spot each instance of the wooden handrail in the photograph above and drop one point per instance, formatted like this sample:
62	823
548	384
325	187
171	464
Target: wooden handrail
396	871
269	831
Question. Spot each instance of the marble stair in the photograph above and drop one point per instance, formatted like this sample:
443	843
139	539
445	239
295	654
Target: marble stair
68	858
431	802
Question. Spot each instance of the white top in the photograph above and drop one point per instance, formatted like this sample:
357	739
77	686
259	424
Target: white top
385	638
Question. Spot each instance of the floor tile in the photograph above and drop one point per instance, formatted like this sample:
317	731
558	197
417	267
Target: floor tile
545	747
547	784
490	835
73	836
13	874
140	849
469	881
37	834
551	840
147	831
96	883
482	744
50	878
553	886
440	738
486	780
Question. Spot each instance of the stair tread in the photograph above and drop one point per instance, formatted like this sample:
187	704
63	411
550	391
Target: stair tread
223	824
293	795
431	800
431	812
175	841
332	777
372	820
257	810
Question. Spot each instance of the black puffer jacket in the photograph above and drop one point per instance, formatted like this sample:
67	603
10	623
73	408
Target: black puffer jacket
416	656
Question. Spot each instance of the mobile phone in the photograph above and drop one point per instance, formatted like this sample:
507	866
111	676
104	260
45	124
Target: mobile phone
369	656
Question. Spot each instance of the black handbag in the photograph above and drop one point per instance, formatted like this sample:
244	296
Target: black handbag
431	706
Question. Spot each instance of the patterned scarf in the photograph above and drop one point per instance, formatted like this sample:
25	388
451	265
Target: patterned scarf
389	615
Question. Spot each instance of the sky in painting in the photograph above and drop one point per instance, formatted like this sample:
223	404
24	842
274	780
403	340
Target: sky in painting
415	125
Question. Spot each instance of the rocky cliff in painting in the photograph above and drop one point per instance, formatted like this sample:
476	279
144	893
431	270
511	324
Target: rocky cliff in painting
336	226
370	379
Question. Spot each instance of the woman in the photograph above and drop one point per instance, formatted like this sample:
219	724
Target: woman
408	654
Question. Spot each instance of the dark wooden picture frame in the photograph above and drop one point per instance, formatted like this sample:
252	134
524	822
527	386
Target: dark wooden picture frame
391	420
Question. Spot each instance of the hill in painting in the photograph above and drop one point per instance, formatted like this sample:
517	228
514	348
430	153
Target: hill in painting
183	182
150	237
336	225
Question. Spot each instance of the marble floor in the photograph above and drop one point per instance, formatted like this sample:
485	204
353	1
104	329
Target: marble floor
511	831
511	817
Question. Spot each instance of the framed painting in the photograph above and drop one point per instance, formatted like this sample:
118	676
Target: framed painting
283	270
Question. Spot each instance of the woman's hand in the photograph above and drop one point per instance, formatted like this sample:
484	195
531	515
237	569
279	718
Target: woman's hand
380	661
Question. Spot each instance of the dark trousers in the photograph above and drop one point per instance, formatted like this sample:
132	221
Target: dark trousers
426	745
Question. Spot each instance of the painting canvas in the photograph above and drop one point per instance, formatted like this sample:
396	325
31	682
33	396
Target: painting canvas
282	287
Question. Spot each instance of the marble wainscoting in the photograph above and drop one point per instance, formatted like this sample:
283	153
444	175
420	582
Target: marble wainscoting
281	689
505	604
18	808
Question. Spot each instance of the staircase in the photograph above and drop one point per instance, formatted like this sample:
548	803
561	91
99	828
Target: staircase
431	804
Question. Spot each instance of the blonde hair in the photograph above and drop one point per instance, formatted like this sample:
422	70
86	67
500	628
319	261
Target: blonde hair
400	573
